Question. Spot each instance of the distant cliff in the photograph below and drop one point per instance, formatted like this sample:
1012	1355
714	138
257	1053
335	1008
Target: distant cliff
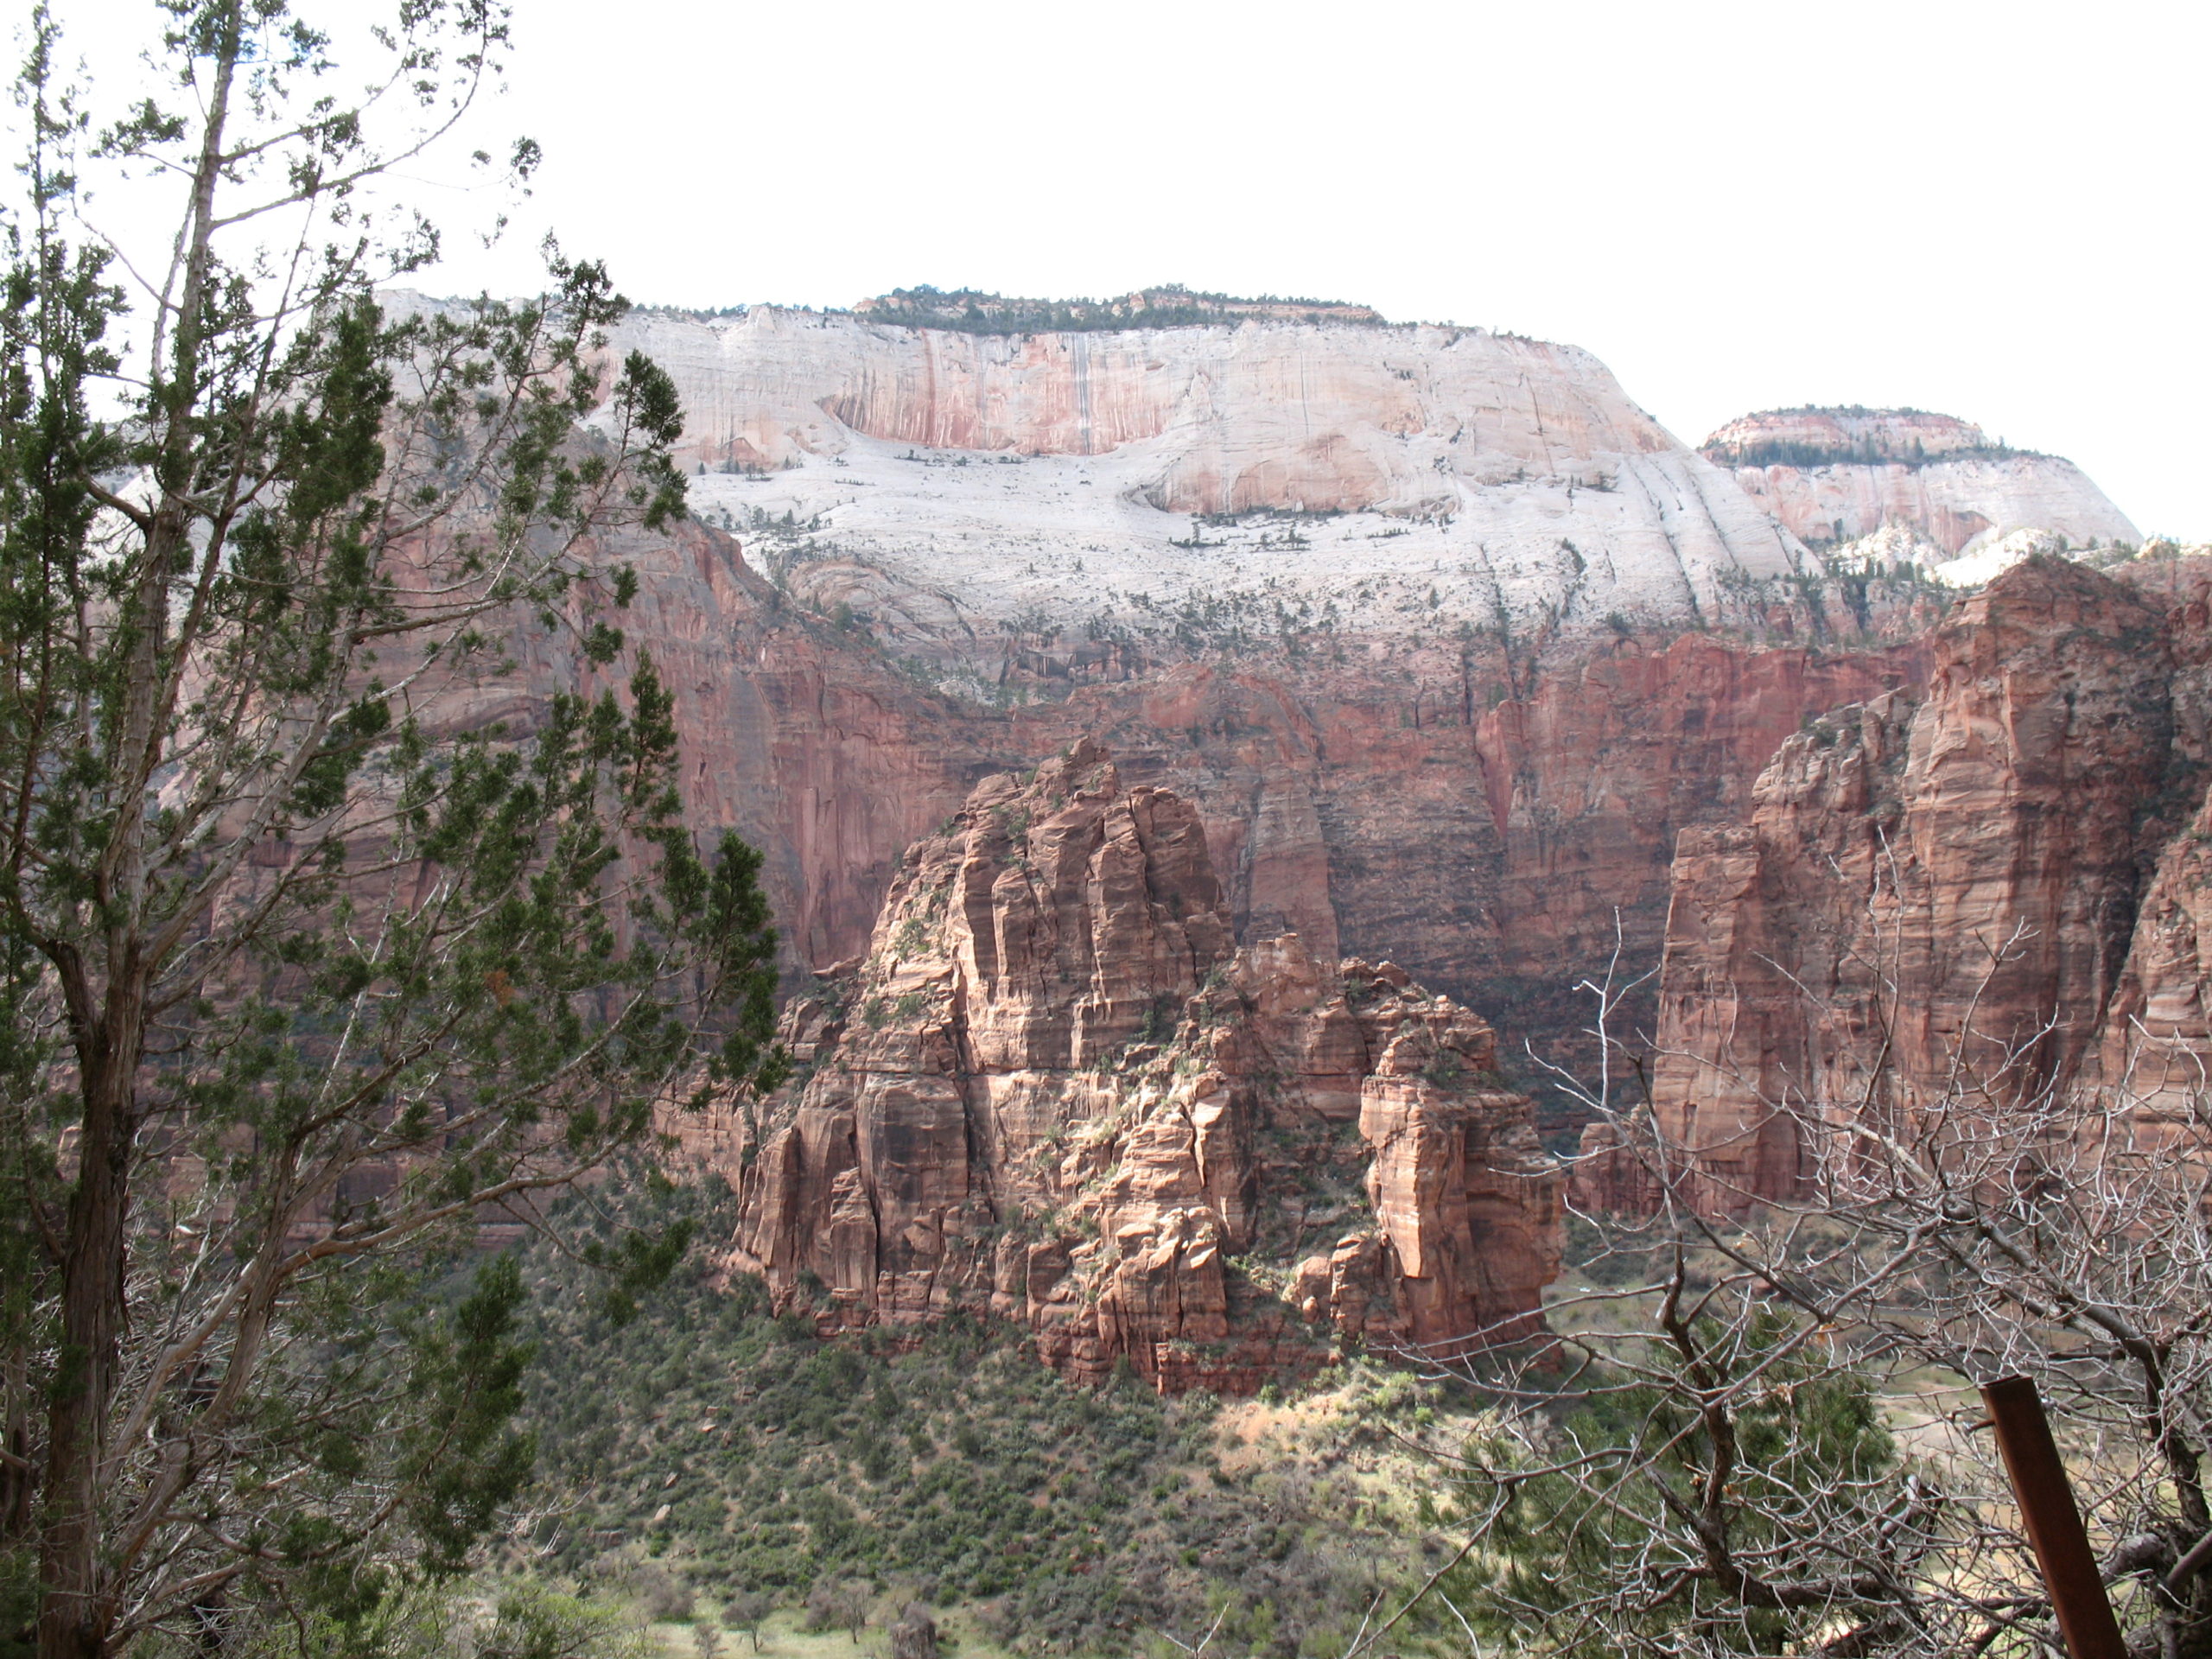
1460	806
1379	481
1833	475
1443	638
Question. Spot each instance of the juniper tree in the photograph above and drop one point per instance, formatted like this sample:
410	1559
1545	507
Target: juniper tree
308	969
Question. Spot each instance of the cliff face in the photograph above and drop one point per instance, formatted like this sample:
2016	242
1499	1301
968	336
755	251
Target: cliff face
943	484
1977	889
1414	644
1832	476
1054	1089
1441	675
1485	841
1459	643
1464	810
1303	471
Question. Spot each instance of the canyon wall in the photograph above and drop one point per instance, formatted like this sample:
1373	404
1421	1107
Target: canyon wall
942	483
1446	641
1056	1090
1471	809
1980	890
1445	638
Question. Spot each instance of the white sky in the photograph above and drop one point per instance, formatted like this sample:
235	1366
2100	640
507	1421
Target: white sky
1999	211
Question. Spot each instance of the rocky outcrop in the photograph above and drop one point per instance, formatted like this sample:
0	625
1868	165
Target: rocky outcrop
2153	1054
1462	732
913	1636
1440	648
1461	723
1813	436
1488	841
1972	892
1054	1090
1835	475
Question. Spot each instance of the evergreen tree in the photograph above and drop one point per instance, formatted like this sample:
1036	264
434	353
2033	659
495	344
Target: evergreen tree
309	970
1722	1486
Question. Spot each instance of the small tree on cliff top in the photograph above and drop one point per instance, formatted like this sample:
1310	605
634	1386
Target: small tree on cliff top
306	969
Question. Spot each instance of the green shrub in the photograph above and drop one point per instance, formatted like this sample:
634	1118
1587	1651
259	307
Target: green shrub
959	1463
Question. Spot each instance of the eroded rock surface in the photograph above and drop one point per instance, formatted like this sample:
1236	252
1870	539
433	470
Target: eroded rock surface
1444	638
1474	813
1121	483
1055	1090
1978	891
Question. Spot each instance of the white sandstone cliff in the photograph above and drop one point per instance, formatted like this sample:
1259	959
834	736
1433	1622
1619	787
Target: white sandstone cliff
1418	478
1835	475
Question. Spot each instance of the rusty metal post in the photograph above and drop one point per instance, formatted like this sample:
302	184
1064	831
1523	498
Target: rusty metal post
2053	1521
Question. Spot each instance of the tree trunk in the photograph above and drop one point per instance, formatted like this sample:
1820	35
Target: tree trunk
80	1594
77	1605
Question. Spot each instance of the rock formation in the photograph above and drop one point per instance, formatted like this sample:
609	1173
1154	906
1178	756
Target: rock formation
1056	1090
1271	466
1835	475
1459	723
1466	808
1112	483
913	1636
1978	889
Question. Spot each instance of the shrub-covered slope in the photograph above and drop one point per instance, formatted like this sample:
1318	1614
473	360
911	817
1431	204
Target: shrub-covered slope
741	1453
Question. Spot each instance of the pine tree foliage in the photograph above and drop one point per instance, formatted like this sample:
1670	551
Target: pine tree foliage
309	966
1720	1486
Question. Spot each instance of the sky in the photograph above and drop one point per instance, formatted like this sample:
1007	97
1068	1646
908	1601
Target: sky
1996	211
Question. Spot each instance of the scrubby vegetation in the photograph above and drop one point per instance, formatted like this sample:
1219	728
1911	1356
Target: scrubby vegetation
968	311
1844	600
709	1452
1868	448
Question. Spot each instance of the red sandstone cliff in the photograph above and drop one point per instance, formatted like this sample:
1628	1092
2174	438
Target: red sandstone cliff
1474	811
1461	641
1977	891
1056	1090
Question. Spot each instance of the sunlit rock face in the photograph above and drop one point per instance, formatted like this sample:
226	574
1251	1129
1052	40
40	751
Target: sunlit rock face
1459	723
1056	1091
1464	810
1444	641
1831	476
940	482
1982	890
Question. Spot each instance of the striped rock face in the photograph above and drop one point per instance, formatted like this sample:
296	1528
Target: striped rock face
941	482
1988	890
1443	638
1055	1091
1835	476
